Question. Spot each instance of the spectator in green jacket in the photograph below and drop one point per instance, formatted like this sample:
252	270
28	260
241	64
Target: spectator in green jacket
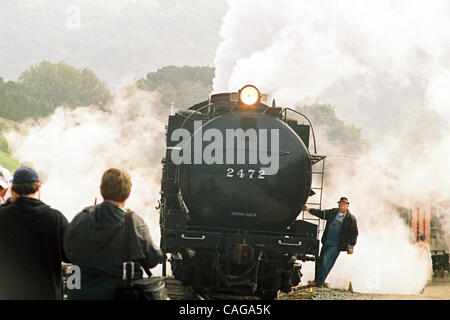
95	241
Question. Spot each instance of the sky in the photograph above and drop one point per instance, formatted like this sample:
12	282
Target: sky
120	40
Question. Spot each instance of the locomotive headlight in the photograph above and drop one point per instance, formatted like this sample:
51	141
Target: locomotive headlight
249	95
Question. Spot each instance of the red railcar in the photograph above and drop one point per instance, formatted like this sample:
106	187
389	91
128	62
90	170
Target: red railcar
428	218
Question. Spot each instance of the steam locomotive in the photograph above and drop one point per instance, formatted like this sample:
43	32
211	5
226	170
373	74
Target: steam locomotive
236	174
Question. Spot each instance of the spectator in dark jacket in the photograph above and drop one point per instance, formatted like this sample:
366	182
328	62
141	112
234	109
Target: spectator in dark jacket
95	241
341	232
31	242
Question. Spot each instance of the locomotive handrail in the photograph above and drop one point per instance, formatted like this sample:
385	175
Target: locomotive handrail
289	244
310	123
203	237
182	125
196	112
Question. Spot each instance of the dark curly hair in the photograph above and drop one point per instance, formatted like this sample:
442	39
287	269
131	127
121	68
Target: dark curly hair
25	188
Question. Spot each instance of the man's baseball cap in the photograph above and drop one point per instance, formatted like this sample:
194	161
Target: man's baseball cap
344	199
25	174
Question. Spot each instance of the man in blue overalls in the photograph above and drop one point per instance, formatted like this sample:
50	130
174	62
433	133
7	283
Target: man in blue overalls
341	232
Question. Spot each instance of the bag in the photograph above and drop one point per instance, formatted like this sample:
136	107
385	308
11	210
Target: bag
151	288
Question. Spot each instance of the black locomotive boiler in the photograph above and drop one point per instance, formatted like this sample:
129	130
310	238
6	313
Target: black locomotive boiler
236	174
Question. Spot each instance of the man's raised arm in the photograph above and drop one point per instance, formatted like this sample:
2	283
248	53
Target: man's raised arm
322	214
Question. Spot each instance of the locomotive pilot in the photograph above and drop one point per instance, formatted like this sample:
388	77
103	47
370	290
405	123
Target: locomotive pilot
340	234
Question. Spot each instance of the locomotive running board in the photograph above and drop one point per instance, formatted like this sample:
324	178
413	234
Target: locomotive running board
273	243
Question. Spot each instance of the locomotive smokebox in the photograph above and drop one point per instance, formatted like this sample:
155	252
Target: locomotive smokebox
244	170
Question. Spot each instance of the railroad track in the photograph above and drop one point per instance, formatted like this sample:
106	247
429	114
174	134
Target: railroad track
176	291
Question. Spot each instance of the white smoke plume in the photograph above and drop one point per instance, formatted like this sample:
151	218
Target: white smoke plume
73	147
385	66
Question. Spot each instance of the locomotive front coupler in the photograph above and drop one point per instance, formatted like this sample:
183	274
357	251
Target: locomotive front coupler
242	253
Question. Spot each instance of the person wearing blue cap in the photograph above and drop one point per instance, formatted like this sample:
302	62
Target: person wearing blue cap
31	242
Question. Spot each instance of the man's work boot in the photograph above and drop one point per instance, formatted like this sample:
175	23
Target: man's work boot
314	284
311	283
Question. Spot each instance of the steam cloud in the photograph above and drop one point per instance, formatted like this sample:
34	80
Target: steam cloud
385	66
73	147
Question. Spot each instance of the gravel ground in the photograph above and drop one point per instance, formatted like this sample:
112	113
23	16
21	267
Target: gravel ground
305	293
438	289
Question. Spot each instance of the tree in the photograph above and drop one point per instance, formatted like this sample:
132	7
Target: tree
349	137
60	83
184	86
47	85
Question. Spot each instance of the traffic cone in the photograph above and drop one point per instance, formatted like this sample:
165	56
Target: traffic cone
350	287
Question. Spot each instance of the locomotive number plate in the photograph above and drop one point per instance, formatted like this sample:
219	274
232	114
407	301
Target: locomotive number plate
246	174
